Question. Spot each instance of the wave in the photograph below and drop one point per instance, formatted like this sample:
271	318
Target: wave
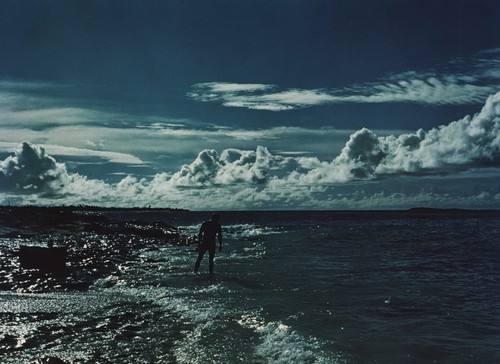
237	230
213	323
280	344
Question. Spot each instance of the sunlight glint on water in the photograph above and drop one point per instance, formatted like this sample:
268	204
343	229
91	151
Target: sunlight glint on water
329	288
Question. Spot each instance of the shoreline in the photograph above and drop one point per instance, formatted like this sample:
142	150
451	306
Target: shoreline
24	221
98	245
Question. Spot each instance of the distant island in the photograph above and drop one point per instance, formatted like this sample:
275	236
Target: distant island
432	210
437	210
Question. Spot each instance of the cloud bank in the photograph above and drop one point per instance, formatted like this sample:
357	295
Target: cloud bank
259	179
469	143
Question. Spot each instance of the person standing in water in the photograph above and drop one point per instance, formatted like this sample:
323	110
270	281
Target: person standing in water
206	241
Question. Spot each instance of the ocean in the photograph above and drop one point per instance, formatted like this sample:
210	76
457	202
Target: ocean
289	287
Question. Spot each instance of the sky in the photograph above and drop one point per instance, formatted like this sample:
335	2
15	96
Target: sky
250	105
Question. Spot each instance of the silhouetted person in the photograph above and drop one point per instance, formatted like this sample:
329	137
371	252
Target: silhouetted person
206	241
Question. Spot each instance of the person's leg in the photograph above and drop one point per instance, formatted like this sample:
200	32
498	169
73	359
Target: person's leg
211	256
201	252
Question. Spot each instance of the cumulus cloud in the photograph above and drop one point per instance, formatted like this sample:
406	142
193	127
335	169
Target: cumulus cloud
463	82
259	178
31	169
232	166
472	142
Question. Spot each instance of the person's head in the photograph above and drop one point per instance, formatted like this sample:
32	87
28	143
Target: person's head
215	217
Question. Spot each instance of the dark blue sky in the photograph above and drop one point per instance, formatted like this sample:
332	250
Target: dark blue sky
150	53
156	82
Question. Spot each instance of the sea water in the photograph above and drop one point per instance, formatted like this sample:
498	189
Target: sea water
289	287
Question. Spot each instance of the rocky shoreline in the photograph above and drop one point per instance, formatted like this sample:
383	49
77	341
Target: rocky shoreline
98	246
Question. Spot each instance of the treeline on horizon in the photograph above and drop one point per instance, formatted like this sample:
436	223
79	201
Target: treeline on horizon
149	208
87	208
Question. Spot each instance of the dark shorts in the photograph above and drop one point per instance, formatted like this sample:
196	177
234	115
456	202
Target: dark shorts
204	247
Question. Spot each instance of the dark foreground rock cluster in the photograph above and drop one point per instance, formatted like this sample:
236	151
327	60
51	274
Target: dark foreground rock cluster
96	244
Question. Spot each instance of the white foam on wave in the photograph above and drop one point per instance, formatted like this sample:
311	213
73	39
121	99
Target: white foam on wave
189	229
205	338
236	231
215	325
280	344
195	317
250	230
212	329
199	317
238	253
216	329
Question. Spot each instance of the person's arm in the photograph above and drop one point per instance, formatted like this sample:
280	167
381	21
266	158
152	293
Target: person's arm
200	233
220	237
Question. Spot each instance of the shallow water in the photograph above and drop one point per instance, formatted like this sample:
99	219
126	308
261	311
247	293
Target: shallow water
310	287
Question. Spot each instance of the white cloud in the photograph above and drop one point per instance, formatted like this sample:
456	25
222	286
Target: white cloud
232	166
264	97
258	178
58	150
28	111
32	169
258	105
432	90
472	142
112	157
468	82
216	90
21	108
221	87
48	116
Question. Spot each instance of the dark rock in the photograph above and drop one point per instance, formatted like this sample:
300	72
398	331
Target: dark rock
36	257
